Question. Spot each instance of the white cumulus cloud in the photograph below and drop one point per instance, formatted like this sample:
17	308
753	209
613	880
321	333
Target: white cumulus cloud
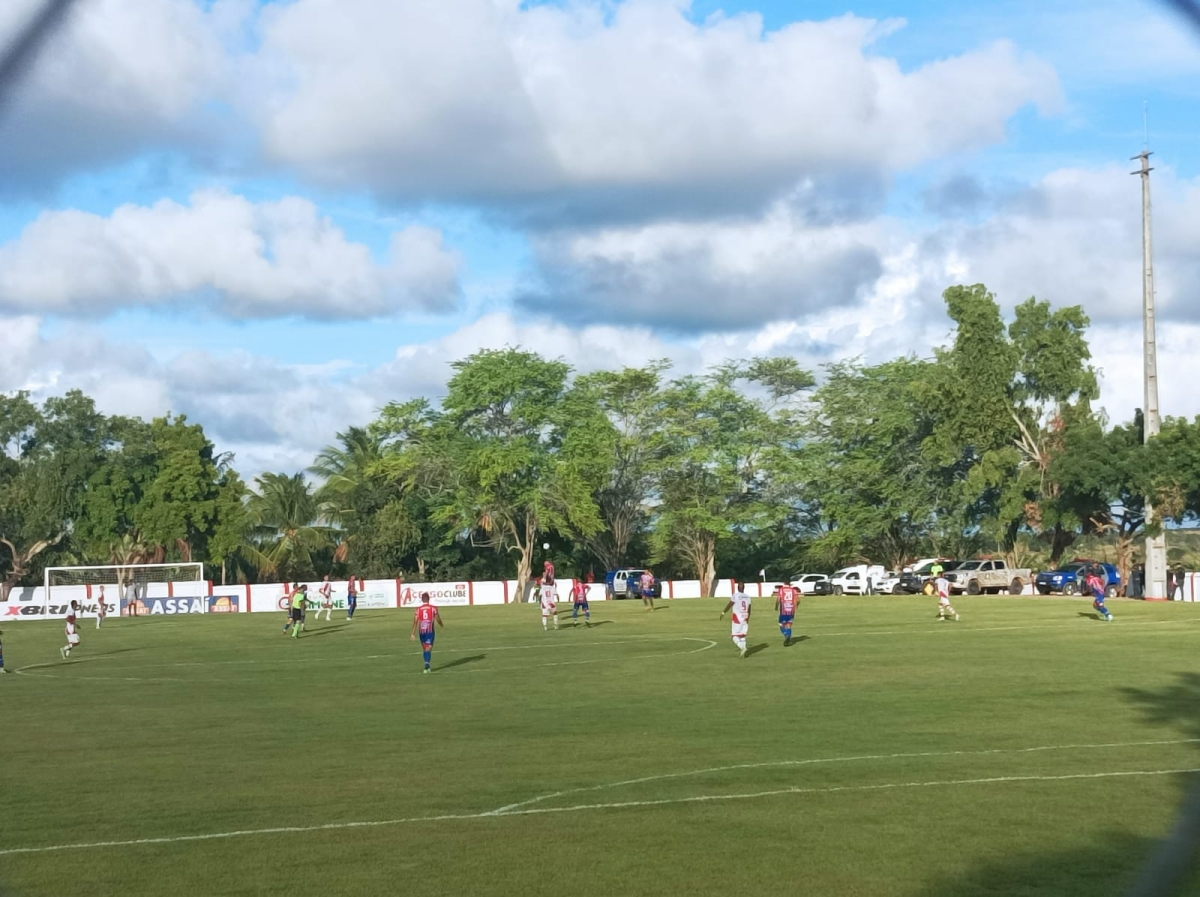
596	106
249	260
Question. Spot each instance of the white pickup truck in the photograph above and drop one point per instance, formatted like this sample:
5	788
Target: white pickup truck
989	577
854	580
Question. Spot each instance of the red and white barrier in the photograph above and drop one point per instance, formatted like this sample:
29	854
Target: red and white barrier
373	594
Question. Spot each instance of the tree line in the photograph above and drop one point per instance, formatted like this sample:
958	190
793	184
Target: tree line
991	444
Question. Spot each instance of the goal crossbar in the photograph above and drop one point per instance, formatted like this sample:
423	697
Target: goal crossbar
131	580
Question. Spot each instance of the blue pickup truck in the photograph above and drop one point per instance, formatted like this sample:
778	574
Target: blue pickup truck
1068	579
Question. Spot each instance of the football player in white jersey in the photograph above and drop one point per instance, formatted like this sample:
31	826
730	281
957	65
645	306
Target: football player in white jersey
72	631
549	596
738	609
945	611
326	593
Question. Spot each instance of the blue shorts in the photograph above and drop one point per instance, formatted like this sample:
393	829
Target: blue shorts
786	618
427	638
581	605
648	594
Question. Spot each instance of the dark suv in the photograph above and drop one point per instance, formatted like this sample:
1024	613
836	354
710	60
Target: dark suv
913	582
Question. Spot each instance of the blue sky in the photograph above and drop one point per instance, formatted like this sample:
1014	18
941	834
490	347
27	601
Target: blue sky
277	217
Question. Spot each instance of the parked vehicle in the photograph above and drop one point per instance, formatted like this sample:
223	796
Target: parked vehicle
1068	579
853	580
988	577
904	583
821	587
913	583
923	563
624	583
808	583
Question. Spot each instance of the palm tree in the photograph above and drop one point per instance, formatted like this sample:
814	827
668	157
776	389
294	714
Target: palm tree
346	470
286	526
351	492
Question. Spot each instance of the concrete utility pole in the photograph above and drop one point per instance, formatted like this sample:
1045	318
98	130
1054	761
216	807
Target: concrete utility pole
1156	546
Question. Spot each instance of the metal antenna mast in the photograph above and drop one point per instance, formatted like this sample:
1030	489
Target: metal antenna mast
1156	546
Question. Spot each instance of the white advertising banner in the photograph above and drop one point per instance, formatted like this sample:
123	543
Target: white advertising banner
442	594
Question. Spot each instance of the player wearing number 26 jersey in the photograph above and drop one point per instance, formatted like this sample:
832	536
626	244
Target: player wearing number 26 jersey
424	618
785	603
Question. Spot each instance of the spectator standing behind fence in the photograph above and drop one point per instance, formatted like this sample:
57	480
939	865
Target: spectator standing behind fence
1180	578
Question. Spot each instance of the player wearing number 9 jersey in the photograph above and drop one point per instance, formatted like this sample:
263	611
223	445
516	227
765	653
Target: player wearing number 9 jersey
785	603
738	609
423	619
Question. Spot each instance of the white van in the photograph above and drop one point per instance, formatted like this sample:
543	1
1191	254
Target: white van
853	580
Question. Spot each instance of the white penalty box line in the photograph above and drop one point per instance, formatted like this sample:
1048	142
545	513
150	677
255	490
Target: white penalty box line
526	810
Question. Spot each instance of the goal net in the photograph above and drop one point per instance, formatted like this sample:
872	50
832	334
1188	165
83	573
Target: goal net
126	589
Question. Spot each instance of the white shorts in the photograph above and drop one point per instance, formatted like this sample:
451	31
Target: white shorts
944	600
548	609
72	638
739	630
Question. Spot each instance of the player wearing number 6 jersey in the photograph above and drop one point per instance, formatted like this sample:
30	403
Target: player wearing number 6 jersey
785	603
738	609
423	619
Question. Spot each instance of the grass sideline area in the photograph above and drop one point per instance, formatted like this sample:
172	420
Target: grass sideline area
1028	749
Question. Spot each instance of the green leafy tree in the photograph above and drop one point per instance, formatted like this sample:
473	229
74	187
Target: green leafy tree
162	492
726	457
1106	476
1051	397
48	456
877	496
617	417
491	462
1003	399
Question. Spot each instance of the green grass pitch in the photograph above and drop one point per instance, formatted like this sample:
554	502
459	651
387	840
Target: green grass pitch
1028	749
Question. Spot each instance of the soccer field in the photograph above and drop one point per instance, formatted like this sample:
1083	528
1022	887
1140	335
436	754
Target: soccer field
1028	749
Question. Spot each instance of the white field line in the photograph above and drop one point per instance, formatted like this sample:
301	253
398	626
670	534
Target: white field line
580	808
833	789
849	759
708	643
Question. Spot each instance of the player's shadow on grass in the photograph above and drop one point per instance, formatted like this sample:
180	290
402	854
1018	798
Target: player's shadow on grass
461	661
797	640
601	623
1175	705
1088	615
324	630
754	649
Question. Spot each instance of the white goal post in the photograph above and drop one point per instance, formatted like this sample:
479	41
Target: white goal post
120	584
